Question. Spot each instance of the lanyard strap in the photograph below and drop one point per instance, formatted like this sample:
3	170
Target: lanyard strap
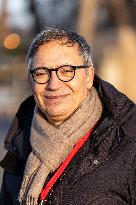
63	166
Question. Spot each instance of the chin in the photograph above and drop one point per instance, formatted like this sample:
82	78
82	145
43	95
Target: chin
55	112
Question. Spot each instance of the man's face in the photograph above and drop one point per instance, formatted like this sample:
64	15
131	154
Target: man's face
57	99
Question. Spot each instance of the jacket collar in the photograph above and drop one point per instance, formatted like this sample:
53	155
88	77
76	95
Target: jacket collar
118	105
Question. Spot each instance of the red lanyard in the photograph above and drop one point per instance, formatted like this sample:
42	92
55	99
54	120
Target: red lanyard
63	166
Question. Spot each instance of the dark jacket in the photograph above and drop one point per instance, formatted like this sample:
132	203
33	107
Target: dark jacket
103	172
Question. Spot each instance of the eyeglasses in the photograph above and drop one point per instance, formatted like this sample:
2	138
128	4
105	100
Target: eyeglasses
64	73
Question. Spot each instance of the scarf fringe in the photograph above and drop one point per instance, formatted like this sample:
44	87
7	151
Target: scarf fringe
31	200
24	188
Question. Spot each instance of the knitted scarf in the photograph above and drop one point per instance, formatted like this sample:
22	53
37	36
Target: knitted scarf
51	145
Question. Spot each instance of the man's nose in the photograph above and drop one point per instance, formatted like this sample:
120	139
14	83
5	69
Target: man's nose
54	83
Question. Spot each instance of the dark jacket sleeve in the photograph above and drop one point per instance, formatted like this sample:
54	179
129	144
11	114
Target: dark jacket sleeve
24	112
17	140
132	182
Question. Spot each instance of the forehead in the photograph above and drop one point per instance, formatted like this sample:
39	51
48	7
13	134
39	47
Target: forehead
55	53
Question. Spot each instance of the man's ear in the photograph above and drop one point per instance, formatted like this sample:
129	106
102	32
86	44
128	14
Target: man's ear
28	77
29	80
90	77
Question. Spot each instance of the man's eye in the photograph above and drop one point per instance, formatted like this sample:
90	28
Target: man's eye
67	71
39	74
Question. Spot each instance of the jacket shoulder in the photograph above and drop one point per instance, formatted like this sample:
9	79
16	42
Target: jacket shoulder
26	107
24	113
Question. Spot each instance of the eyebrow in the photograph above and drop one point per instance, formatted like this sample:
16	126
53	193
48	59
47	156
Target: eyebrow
51	68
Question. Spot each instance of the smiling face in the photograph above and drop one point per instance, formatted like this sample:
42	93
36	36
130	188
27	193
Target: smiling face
57	99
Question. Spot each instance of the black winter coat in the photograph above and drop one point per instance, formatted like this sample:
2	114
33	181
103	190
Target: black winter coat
103	172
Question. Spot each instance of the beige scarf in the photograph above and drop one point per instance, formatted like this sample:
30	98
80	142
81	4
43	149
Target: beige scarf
51	145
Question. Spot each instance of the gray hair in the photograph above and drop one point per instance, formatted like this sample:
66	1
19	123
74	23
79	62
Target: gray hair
67	37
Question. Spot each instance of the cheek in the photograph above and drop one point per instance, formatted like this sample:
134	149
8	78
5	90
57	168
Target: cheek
37	91
78	86
79	82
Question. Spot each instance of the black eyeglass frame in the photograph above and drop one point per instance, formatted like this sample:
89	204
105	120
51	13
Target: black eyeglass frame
56	70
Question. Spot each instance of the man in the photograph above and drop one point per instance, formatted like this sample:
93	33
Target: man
75	141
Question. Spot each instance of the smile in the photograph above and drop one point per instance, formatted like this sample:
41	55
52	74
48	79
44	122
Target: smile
55	98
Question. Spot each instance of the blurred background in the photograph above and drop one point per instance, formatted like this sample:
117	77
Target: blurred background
108	25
